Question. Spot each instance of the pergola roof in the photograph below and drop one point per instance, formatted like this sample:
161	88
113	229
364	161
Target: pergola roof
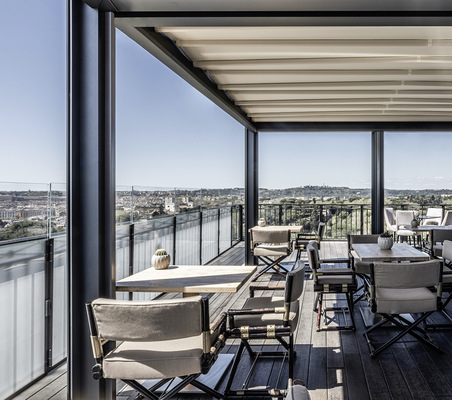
285	63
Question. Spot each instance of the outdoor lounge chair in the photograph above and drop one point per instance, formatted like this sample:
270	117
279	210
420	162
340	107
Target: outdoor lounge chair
403	219
447	219
302	240
271	246
161	339
390	220
434	216
446	287
267	318
362	269
404	288
331	281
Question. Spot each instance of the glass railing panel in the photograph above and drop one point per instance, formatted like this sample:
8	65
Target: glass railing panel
24	210
150	235
188	239
225	228
22	284
58	208
124	204
209	235
60	298
122	255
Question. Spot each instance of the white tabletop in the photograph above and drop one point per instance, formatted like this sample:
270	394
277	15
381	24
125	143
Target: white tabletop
371	252
188	279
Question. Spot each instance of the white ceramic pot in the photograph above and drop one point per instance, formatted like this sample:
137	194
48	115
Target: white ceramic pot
161	262
261	222
385	243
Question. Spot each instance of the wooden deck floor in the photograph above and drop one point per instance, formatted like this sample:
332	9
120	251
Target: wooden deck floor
333	364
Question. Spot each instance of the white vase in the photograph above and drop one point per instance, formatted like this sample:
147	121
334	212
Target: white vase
261	222
385	243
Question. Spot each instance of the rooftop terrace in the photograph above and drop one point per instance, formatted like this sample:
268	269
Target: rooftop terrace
333	364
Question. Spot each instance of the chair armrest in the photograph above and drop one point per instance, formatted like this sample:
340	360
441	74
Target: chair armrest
331	271
218	335
335	261
255	288
248	311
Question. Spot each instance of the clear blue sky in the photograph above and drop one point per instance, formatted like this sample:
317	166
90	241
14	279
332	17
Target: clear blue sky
168	134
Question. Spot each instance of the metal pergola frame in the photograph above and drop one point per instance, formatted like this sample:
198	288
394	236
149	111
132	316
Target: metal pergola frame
91	130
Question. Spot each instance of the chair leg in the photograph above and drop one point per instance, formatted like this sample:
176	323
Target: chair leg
235	364
408	328
351	308
141	389
319	310
208	390
291	360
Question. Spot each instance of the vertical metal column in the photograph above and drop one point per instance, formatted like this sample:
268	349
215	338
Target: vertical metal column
90	185
48	325
251	189
377	181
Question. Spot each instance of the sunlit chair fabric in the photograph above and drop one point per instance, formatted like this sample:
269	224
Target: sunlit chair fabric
298	392
404	218
404	288
434	216
271	246
267	318
158	339
390	220
447	219
331	280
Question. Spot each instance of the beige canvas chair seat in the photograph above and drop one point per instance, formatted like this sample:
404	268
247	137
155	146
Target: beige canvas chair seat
404	288
396	301
267	319
273	319
271	246
154	360
276	250
332	281
362	267
156	339
336	279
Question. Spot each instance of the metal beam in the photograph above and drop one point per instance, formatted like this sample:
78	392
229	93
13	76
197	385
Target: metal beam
433	126
90	184
377	169
326	17
251	189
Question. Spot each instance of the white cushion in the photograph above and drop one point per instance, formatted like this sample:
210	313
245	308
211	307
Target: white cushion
404	301
270	250
154	360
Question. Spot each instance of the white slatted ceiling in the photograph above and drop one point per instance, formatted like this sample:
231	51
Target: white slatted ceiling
327	73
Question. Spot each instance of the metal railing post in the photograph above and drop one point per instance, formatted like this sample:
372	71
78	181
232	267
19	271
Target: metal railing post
48	299
361	230
218	230
131	252
174	238
200	237
280	215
